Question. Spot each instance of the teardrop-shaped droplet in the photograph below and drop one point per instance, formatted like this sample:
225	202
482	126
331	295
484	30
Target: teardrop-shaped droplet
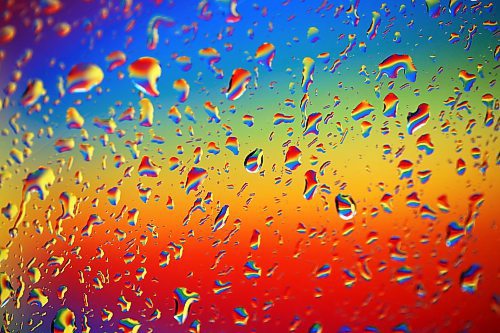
254	161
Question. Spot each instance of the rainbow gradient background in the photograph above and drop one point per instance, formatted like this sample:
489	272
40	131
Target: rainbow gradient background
270	201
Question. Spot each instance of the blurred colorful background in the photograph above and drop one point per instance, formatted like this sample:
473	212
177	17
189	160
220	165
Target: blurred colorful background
249	166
